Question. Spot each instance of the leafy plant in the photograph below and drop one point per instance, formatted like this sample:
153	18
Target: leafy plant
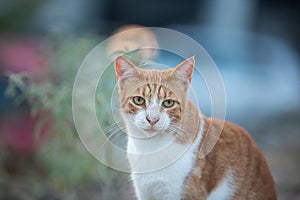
68	165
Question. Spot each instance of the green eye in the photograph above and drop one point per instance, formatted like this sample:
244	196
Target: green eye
168	103
138	100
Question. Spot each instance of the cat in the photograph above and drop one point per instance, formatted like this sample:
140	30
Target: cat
155	108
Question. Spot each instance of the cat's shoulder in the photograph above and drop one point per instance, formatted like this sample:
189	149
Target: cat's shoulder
227	132
227	127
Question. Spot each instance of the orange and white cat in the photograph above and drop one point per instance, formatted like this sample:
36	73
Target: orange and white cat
156	111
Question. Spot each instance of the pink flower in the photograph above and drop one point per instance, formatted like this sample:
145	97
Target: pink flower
22	55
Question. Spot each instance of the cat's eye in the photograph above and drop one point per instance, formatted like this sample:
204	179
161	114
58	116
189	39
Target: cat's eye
168	103
138	100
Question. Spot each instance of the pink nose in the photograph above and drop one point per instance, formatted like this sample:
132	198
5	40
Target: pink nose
152	121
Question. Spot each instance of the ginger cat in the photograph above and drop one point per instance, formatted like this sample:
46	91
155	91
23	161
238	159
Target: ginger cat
156	111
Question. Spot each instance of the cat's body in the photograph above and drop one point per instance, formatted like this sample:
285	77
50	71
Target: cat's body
163	126
212	177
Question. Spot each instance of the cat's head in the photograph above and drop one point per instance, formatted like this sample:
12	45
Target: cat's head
153	100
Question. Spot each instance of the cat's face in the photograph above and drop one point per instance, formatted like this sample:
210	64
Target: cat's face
153	100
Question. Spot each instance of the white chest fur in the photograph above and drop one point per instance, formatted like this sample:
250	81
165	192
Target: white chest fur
166	182
225	190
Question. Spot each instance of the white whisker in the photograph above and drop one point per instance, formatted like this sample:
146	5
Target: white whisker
114	133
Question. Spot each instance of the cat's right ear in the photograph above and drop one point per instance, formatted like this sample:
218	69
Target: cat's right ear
123	67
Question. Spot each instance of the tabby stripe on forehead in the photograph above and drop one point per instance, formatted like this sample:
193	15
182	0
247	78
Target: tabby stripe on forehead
138	90
155	85
162	92
143	91
146	89
149	89
170	93
159	89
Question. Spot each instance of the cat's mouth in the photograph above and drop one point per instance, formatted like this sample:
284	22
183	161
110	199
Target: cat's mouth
152	131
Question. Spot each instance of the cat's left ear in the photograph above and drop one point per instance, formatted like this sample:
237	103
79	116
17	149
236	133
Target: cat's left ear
123	67
185	70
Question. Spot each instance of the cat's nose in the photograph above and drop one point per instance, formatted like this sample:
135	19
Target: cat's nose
152	120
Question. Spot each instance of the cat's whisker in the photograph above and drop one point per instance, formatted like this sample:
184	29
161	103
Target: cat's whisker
121	122
115	126
177	127
112	137
116	137
178	130
113	129
113	133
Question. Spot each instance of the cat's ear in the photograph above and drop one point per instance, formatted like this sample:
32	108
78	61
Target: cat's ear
123	67
185	70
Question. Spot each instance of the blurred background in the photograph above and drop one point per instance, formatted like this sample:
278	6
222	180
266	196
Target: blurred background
254	43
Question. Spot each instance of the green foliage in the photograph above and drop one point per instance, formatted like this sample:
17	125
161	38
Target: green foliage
54	92
67	163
